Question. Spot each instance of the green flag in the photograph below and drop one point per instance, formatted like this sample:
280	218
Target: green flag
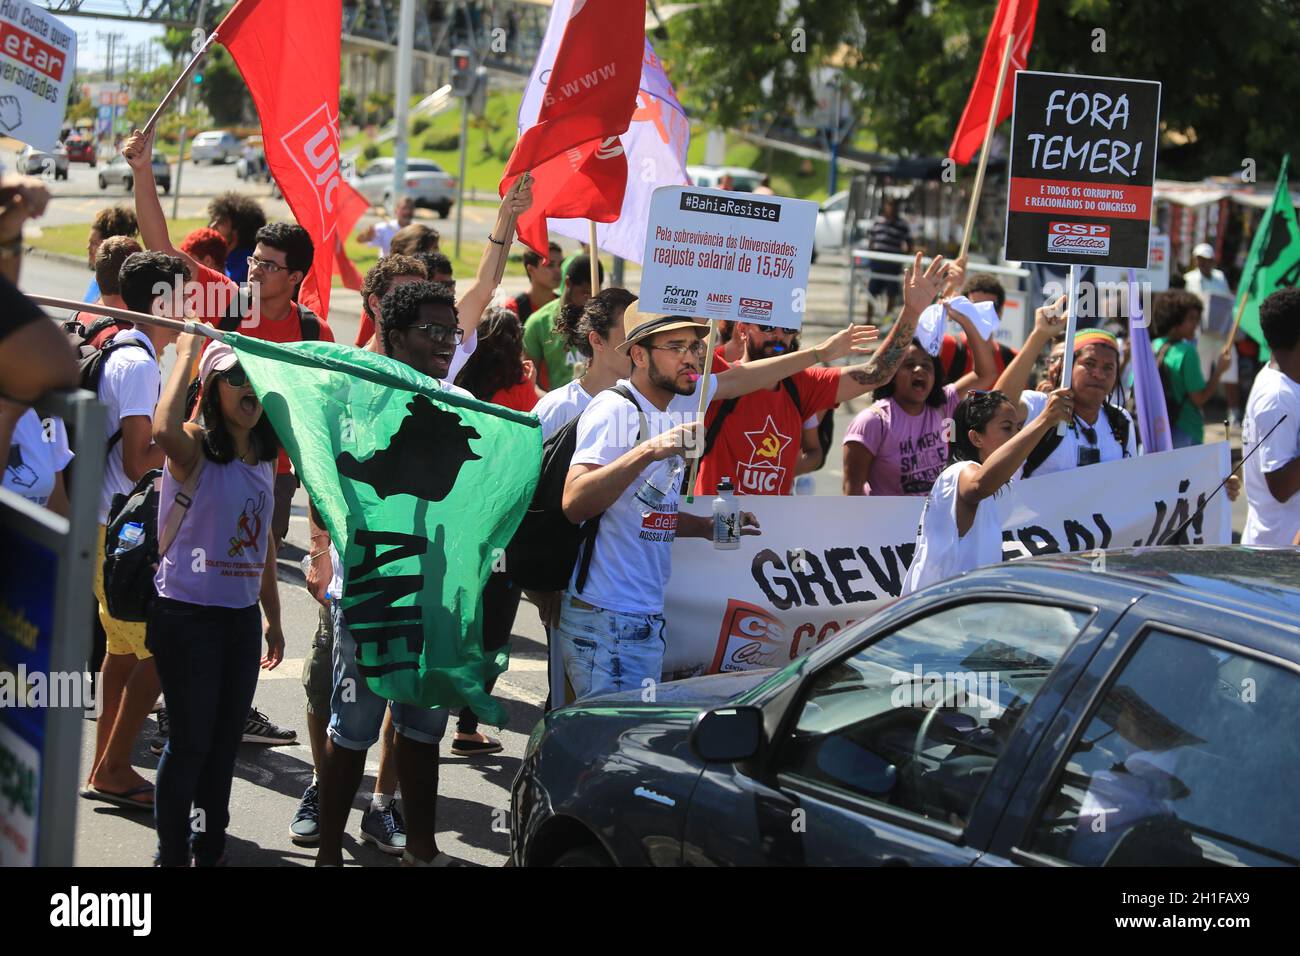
1274	260
420	489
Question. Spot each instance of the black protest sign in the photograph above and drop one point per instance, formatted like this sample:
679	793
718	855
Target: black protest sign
1083	161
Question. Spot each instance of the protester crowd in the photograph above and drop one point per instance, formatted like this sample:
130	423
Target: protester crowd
953	419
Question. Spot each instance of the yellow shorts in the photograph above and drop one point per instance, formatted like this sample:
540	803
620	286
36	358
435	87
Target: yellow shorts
120	637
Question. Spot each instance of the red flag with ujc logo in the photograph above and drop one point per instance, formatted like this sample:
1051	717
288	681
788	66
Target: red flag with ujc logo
573	150
288	52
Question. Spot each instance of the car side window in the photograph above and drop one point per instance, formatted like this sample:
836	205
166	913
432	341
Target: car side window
917	719
1191	758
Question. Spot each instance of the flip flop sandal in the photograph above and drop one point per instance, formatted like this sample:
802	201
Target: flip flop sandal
121	799
473	748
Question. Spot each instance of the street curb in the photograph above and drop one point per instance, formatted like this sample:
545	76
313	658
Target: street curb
38	253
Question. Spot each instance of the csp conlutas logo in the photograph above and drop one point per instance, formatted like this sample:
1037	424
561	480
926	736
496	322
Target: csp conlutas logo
1084	238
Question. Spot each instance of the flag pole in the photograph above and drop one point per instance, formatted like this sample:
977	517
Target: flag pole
706	369
197	328
984	150
595	260
180	82
524	180
1236	323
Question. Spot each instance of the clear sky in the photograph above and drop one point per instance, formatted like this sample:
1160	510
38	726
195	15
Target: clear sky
91	44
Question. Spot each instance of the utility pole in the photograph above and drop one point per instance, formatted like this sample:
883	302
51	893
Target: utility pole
405	45
185	108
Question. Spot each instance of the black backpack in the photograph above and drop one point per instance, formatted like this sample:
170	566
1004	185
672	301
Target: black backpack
128	572
825	428
1115	417
546	545
1172	409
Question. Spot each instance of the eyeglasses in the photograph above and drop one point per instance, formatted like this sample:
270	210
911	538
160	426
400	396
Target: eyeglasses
271	267
438	333
697	349
235	376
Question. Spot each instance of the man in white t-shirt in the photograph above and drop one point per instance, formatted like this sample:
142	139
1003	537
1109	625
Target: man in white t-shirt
611	624
129	385
380	234
1273	464
1205	280
1099	431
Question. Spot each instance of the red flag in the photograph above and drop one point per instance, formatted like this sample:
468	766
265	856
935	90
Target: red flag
288	54
352	206
1015	17
573	150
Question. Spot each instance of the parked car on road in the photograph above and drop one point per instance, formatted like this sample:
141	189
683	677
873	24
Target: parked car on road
116	172
427	183
39	162
742	180
215	146
80	149
1045	712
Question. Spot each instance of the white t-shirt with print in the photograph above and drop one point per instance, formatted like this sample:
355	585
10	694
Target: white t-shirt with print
336	565
1268	520
560	406
130	386
942	553
633	557
1066	455
36	455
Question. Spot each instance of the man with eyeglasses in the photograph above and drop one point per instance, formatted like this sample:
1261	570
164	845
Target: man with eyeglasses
417	326
611	627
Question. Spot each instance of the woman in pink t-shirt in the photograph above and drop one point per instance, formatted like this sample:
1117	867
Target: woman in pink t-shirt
899	445
204	628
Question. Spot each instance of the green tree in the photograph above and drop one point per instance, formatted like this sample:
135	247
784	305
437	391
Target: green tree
223	89
1228	94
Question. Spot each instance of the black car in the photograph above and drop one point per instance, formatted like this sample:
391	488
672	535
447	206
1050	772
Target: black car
1137	708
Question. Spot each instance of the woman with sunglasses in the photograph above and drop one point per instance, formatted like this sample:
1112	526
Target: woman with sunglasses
960	530
204	629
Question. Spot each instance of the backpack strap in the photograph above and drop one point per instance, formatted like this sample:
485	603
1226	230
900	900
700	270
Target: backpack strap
184	498
91	382
793	391
1167	385
729	406
1042	451
1119	425
587	547
308	323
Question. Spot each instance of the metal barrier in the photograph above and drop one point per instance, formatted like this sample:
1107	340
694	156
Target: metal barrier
46	573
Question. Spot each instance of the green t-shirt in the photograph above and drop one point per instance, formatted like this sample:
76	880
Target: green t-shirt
546	347
1183	365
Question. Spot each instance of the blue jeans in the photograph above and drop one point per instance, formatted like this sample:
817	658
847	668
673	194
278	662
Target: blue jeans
605	652
208	660
357	712
1180	438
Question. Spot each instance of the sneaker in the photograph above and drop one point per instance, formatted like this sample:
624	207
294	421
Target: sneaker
474	748
385	829
259	730
305	828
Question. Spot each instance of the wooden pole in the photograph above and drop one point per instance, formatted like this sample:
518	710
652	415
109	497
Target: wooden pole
706	369
520	183
199	328
180	82
595	260
1236	322
984	150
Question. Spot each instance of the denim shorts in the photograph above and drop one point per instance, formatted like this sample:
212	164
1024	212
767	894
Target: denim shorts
605	652
357	712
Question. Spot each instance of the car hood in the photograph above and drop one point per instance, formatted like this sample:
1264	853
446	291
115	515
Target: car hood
696	693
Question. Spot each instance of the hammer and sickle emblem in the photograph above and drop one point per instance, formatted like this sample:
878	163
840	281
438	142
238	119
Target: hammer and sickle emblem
770	447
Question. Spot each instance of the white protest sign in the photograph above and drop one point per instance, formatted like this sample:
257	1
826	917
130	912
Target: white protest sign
724	255
823	563
38	63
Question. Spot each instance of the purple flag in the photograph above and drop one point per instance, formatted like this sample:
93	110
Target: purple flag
1153	416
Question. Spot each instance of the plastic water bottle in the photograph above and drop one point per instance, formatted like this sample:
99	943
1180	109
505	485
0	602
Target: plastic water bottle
130	536
654	491
726	518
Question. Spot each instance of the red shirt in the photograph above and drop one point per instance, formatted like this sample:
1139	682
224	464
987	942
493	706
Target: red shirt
759	444
958	360
521	397
217	290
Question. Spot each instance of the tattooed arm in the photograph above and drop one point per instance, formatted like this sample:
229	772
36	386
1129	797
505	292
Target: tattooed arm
919	290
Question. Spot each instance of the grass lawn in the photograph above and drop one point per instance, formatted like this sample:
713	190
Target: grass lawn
71	240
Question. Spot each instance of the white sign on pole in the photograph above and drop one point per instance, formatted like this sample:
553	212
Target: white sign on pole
822	564
38	63
724	255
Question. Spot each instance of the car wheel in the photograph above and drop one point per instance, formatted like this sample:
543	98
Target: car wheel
584	856
444	210
129	183
103	183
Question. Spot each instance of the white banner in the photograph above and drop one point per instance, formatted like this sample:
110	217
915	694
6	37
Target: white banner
726	255
38	62
823	563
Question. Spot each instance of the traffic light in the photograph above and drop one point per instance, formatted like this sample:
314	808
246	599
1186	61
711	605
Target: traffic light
462	72
198	78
